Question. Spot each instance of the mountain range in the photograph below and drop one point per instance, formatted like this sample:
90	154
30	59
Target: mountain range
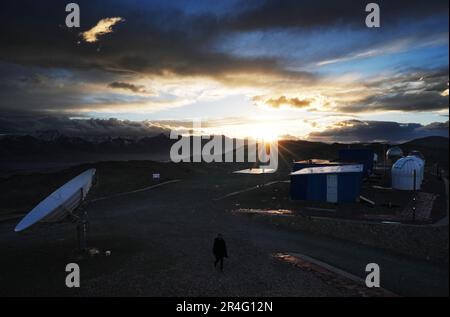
50	149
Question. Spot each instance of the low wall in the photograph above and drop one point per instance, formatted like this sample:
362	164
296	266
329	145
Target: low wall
424	242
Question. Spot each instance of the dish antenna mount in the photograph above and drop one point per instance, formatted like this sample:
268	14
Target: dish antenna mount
66	203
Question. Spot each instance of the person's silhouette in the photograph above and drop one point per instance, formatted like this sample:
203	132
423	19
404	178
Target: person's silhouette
220	250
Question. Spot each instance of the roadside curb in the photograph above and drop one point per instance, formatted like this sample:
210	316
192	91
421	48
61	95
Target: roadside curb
333	275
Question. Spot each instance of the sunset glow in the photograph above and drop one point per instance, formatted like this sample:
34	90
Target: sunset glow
230	64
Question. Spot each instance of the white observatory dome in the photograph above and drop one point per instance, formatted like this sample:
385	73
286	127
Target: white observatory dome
403	174
421	164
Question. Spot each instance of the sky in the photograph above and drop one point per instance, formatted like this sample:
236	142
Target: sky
273	68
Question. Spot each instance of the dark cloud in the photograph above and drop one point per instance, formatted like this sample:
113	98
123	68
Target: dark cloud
153	40
157	39
80	127
411	91
306	14
37	89
379	131
131	87
35	79
421	101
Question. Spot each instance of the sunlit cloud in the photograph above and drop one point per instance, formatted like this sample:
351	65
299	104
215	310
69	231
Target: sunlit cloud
104	26
284	101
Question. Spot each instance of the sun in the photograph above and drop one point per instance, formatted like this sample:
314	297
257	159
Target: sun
264	132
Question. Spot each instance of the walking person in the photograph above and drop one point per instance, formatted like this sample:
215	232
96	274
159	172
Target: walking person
220	251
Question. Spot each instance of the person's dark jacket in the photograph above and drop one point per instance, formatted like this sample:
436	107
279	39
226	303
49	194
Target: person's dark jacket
220	248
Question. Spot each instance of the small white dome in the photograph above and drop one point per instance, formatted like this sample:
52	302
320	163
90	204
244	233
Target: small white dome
394	153
403	174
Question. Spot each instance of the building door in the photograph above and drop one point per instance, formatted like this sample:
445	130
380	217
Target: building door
332	188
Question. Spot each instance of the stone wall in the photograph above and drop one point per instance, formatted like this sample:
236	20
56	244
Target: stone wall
423	242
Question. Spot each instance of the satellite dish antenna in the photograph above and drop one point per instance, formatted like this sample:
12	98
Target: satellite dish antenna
62	204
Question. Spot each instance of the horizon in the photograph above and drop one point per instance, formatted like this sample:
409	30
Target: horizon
40	134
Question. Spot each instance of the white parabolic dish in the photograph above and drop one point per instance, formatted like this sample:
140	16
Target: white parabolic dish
61	202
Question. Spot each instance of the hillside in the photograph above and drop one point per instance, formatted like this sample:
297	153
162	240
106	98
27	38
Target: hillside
32	153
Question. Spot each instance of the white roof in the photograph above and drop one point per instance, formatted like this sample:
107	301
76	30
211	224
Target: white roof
337	169
256	171
315	161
